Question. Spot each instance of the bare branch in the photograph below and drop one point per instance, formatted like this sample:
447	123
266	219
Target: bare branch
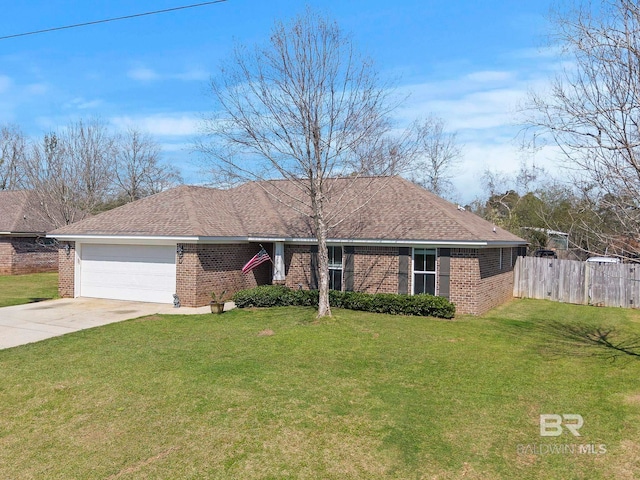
138	171
306	108
592	111
13	145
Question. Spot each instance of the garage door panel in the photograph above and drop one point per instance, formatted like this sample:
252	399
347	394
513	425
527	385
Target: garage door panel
125	253
138	281
128	272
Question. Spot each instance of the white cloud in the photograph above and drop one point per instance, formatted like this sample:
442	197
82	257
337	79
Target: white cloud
490	76
143	74
81	103
176	124
477	110
36	89
482	107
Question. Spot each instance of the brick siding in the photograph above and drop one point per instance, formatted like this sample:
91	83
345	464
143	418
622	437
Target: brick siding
496	281
66	269
477	281
478	284
297	266
375	269
206	268
22	255
6	256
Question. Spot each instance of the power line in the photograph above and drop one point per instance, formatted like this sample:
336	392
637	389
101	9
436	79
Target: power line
115	19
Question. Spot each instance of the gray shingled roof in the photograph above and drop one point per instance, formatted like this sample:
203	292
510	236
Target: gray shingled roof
394	209
19	213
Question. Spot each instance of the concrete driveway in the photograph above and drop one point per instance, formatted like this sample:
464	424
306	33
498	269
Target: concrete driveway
33	322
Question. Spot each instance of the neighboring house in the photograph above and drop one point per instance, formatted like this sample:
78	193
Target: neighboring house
23	246
194	240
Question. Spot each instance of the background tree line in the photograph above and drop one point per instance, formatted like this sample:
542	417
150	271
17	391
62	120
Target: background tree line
83	169
590	114
532	202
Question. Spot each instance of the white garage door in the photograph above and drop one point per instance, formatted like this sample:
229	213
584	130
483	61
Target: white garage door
128	272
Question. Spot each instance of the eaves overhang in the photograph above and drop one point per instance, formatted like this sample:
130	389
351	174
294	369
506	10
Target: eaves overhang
22	234
169	239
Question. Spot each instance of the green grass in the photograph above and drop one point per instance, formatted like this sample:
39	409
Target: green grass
273	394
19	289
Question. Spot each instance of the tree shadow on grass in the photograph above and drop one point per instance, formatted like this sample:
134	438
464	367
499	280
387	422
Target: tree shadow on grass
593	340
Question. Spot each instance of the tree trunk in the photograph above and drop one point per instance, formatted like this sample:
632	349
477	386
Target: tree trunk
324	309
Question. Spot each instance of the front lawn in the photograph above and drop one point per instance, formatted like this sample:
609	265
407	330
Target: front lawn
19	289
274	394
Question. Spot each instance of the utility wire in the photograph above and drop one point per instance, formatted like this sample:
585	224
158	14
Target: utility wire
115	19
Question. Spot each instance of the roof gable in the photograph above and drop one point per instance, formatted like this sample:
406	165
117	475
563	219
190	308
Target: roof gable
20	213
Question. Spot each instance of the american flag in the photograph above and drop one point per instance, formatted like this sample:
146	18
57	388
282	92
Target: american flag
258	259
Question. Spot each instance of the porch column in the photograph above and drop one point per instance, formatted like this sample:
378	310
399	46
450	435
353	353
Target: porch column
278	263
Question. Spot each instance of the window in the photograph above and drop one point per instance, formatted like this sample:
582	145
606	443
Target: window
424	271
335	268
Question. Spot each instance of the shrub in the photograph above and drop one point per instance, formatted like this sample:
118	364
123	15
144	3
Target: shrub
265	296
280	296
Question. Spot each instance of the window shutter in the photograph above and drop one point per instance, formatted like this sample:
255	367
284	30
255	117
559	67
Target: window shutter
347	274
313	276
404	255
444	272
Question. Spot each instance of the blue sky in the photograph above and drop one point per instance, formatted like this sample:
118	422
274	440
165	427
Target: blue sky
469	62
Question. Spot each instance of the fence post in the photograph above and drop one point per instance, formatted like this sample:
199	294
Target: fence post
587	281
516	278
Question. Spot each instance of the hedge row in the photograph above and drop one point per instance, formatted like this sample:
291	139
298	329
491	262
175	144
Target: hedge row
280	296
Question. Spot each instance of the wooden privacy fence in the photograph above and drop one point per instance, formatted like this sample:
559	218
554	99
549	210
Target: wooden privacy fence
571	281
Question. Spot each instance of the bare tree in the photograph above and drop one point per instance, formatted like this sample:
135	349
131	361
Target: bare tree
12	157
54	181
592	112
138	171
300	108
90	149
437	155
71	171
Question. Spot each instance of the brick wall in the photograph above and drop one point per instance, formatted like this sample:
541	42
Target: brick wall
478	283
375	269
6	256
22	255
464	279
29	257
206	268
496	278
186	275
297	266
66	269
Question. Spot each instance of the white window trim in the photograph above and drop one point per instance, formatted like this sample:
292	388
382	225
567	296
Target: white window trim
500	262
414	271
